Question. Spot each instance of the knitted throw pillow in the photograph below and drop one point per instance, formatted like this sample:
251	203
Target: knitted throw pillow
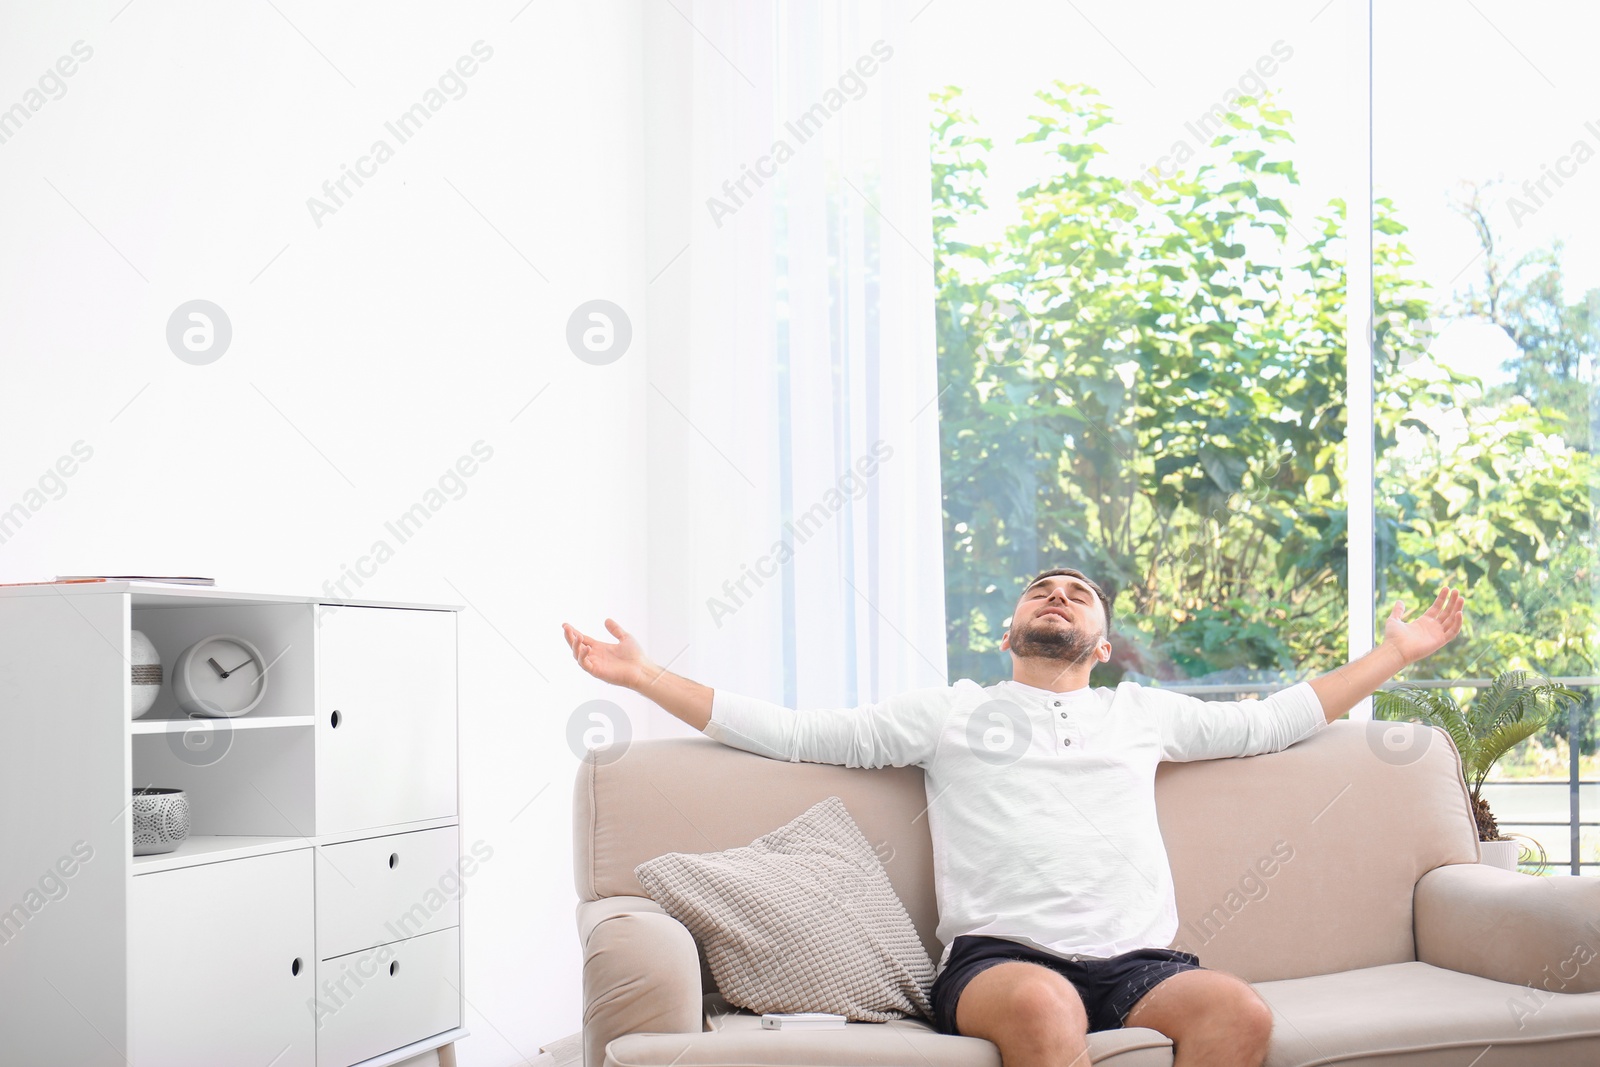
801	919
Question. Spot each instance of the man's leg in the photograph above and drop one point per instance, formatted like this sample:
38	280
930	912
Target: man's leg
1032	1013
1213	1018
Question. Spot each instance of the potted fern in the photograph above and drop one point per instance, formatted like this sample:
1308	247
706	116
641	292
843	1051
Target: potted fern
1517	705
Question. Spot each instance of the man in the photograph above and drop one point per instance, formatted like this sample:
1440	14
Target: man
1054	893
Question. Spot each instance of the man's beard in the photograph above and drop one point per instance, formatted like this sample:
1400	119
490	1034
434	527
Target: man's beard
1066	643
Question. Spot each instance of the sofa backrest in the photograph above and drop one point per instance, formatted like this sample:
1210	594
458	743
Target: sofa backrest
1362	810
1290	864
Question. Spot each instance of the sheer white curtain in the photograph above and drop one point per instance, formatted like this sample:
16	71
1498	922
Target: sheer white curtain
793	467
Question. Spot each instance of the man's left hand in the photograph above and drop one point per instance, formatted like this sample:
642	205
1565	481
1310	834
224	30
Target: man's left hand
1428	632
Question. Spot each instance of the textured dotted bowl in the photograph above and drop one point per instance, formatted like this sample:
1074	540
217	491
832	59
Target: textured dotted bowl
160	820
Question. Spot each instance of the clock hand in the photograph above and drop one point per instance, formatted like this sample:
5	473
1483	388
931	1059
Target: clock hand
217	667
246	663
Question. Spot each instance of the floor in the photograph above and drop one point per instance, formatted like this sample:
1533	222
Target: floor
563	1052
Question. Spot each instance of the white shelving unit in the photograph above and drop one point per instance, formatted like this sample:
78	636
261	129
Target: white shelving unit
311	918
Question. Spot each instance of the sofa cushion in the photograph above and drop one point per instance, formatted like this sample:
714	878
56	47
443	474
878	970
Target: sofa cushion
801	919
737	1040
1415	1014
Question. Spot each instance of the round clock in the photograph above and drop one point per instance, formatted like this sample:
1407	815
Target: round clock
219	676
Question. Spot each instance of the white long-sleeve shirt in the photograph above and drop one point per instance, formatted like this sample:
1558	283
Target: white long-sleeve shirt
1041	805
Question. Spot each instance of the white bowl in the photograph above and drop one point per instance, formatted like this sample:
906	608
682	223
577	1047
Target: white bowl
160	820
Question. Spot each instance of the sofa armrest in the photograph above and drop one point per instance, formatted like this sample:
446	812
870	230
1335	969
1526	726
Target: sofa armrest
1510	927
641	973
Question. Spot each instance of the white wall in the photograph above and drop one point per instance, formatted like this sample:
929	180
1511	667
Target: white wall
369	355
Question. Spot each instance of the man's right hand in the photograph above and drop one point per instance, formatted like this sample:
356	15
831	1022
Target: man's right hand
619	662
622	662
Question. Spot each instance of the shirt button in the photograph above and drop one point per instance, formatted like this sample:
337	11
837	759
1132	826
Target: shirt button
1058	703
1066	740
1063	715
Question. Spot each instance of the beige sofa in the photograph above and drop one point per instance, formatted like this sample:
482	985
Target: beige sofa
1378	940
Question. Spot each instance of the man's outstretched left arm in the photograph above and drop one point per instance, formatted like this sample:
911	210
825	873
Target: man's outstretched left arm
1404	643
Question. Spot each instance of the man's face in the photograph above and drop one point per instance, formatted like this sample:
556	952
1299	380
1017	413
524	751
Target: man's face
1058	618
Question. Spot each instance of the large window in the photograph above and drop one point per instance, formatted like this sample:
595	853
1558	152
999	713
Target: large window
1141	259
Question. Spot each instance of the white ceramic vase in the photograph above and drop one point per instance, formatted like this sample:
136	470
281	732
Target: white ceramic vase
146	673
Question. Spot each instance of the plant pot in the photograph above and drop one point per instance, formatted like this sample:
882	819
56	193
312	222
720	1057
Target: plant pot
1501	853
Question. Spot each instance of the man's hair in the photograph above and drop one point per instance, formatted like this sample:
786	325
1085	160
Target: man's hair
1105	601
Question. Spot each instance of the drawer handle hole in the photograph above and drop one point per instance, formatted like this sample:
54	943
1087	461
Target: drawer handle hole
394	860
394	968
335	719
294	968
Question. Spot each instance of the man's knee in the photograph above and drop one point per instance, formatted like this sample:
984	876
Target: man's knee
1243	1021
1046	999
1253	1017
1020	1000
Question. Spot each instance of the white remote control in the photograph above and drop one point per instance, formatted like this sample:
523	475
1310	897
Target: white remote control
801	1020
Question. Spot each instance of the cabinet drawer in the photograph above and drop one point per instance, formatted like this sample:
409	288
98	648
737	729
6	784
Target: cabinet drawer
374	1001
386	718
387	889
221	964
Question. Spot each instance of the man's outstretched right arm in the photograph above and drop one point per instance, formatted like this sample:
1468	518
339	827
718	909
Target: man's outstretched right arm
897	732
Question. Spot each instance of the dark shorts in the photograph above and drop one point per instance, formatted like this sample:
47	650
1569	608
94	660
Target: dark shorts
1109	988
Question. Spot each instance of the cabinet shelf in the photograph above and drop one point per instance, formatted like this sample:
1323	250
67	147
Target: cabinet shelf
210	848
195	850
241	722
